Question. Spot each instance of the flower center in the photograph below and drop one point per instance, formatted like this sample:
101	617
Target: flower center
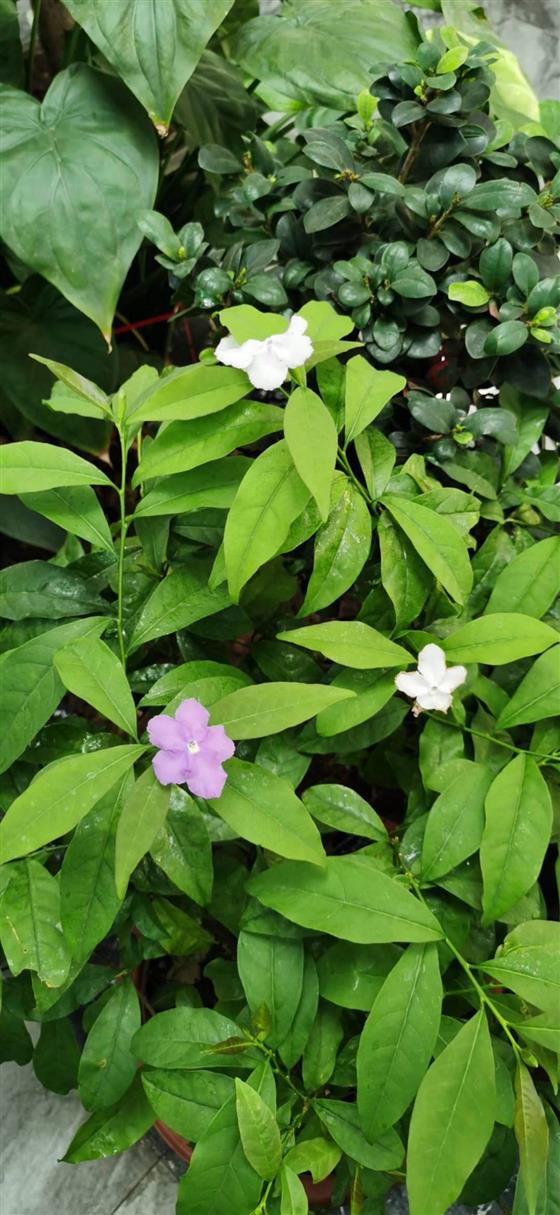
193	747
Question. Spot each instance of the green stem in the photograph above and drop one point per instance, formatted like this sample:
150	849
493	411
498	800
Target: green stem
343	460
484	999
122	541
500	742
33	43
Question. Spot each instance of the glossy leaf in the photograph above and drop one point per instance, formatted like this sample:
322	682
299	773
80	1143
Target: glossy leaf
371	693
344	810
182	446
367	392
350	643
76	509
42	590
353	975
529	584
28	467
452	1119
142	816
153	50
110	1131
350	898
455	822
29	919
342	548
182	847
86	129
312	441
516	835
498	638
186	1101
219	1178
88	898
398	1039
212	485
107	1066
404	574
263	809
267	708
270	497
60	796
341	1120
319	1056
31	687
437	542
260	1137
537	697
271	971
189	1038
190	392
527	963
531	1132
90	670
180	599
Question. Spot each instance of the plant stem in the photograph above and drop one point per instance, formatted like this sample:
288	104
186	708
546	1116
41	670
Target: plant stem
33	43
343	459
141	340
500	742
417	139
122	540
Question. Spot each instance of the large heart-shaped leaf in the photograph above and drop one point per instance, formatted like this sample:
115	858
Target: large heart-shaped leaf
154	47
315	53
78	171
215	106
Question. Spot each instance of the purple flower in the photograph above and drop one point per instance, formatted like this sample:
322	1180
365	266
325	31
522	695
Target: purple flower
190	751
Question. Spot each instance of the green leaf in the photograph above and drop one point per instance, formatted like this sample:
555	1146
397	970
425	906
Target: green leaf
30	467
107	1066
108	1132
77	384
471	293
501	195
259	1132
350	643
506	338
88	898
31	688
312	441
452	1119
527	963
499	638
367	392
350	898
404	575
326	213
495	264
293	1196
342	548
60	796
180	599
306	55
344	810
76	509
182	446
531	1132
264	809
215	104
352	975
86	129
437	542
29	919
456	820
186	1101
219	1178
153	50
516	835
537	697
342	1123
45	591
270	497
90	670
271	971
267	708
56	1056
316	1156
377	457
16	1044
319	1056
398	1039
190	392
182	848
212	485
371	693
143	814
529	584
190	1038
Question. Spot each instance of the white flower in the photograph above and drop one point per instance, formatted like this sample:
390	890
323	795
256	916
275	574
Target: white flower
267	363
432	685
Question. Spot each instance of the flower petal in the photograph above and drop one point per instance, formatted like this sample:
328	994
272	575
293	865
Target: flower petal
192	718
411	683
453	678
170	767
292	346
267	371
164	731
229	351
434	698
206	777
217	743
431	664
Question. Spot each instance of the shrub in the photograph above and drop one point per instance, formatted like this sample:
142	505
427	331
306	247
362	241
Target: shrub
332	953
